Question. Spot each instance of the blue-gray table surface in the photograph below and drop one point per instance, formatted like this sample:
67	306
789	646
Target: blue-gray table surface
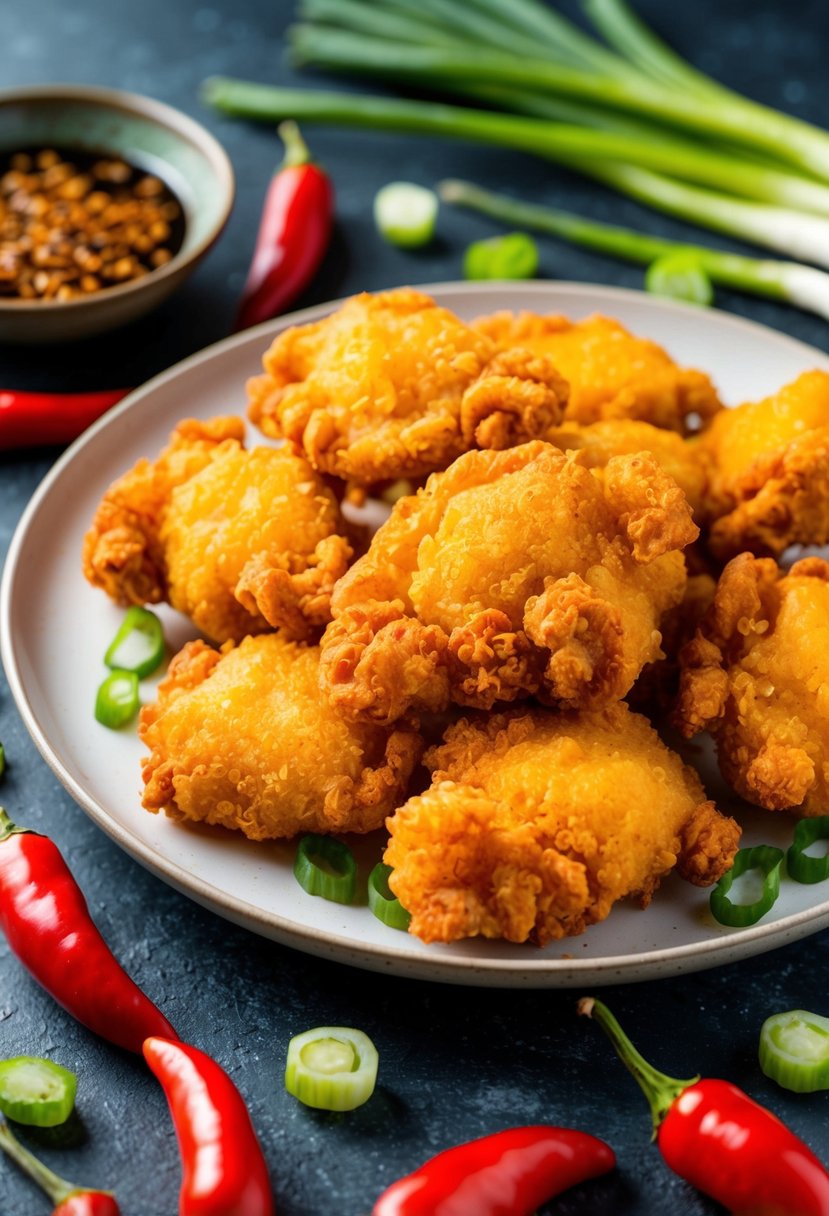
455	1062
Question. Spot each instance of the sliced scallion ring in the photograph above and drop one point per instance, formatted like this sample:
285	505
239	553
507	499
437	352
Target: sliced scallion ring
766	861
406	214
794	1050
117	699
139	643
331	1068
326	867
36	1092
513	256
680	276
383	902
799	865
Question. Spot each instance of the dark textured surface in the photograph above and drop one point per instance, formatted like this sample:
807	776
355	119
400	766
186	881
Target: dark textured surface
455	1063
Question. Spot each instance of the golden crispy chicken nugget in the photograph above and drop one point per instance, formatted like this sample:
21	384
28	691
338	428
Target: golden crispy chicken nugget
511	574
391	385
770	471
537	822
611	372
239	541
757	676
243	739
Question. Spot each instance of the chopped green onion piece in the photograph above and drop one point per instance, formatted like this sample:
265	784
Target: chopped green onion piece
767	861
514	256
679	276
324	866
139	643
383	902
794	1050
800	866
36	1092
406	214
331	1068
117	701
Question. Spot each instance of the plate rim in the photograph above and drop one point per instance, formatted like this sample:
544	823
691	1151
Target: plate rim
496	972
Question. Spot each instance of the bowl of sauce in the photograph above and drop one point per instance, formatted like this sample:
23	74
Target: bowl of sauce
108	200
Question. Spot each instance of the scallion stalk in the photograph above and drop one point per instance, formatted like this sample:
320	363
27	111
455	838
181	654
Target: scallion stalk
788	281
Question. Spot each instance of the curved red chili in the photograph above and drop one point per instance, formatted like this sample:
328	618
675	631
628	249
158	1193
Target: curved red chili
723	1142
507	1174
294	233
29	419
71	1200
46	920
223	1170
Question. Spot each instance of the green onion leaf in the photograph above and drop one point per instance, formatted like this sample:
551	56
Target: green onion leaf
331	1068
794	1050
326	867
406	214
679	276
36	1092
767	861
117	701
383	902
800	866
514	256
139	643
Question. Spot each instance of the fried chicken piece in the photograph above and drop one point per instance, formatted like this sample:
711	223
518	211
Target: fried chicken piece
391	386
756	675
770	480
598	442
612	373
240	541
510	574
242	738
536	823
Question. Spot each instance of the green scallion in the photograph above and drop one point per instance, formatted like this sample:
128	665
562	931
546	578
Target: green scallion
800	865
383	902
679	276
331	1068
794	1050
139	643
326	867
406	214
117	700
36	1092
513	256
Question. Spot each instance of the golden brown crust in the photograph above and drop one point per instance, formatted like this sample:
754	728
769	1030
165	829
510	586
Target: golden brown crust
391	385
755	675
529	832
243	740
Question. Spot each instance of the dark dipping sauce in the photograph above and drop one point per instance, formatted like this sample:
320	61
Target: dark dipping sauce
74	222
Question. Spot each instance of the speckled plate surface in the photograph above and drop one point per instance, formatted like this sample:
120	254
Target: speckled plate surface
54	629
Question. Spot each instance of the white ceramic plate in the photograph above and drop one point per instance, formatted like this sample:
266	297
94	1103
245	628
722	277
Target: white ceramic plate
54	629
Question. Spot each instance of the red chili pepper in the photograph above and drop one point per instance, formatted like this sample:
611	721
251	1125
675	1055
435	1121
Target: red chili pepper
224	1172
721	1141
30	419
45	917
508	1174
71	1200
294	233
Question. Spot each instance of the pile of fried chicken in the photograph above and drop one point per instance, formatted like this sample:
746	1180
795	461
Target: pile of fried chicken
581	536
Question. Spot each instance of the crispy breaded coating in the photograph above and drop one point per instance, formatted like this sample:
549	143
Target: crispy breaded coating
511	574
597	443
756	675
536	823
770	480
242	738
612	373
391	385
240	541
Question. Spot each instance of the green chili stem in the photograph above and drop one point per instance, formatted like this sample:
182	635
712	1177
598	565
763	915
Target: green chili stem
55	1187
660	1090
8	827
296	149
